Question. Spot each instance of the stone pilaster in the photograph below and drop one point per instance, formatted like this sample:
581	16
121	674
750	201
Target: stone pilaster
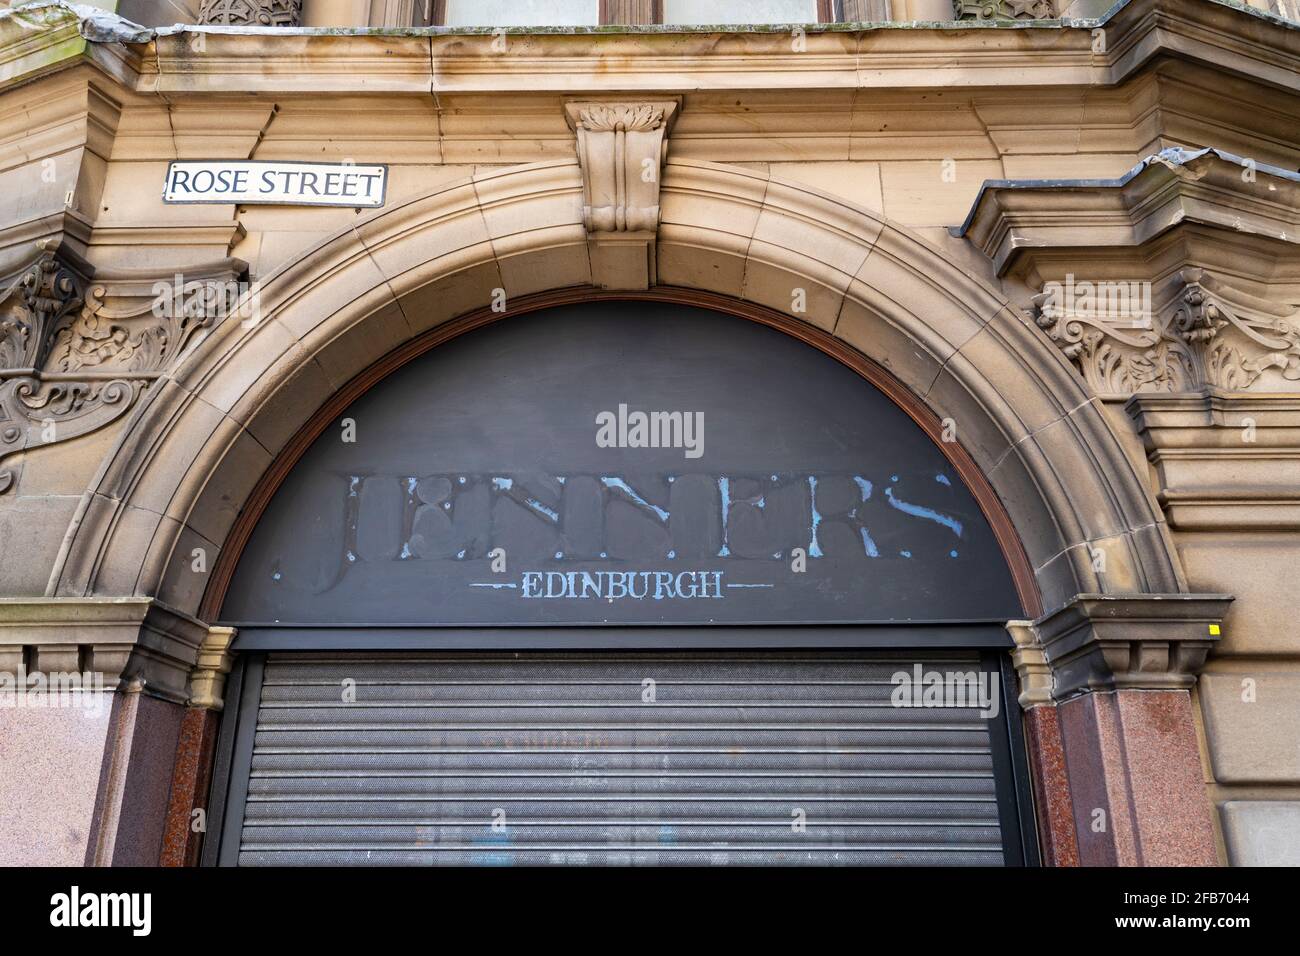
187	812
1105	681
98	689
1223	462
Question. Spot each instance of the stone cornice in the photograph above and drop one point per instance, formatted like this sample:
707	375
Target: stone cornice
1116	642
1244	42
129	641
1011	220
1223	462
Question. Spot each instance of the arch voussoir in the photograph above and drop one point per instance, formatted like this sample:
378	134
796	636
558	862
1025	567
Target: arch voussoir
421	271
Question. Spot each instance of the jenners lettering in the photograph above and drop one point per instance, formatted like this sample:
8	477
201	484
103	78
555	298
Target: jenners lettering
655	527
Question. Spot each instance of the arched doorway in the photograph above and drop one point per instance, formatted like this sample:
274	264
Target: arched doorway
625	582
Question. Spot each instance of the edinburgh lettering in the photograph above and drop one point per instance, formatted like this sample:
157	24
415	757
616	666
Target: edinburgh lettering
617	585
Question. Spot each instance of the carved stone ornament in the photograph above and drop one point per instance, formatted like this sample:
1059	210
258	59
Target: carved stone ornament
71	364
251	13
1004	9
621	149
1208	334
34	305
208	679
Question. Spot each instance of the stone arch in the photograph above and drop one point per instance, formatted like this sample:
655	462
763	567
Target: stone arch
194	450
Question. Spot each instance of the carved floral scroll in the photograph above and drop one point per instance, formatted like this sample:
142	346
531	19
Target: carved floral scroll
1208	335
71	363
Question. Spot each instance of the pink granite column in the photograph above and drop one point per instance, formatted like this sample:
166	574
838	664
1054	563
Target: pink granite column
90	768
135	782
1135	770
1115	673
190	779
1053	802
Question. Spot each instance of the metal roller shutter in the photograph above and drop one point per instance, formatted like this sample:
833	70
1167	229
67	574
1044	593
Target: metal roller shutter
557	758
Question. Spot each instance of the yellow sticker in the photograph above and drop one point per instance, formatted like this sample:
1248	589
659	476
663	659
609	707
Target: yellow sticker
1214	629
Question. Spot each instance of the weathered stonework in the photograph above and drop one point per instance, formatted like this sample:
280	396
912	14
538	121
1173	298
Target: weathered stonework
621	150
128	641
1156	642
208	680
1106	669
1145	468
1223	461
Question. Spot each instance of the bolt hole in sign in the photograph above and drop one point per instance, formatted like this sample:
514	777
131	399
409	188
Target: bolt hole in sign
287	183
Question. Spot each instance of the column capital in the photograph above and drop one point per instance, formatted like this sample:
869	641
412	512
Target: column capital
1031	665
132	642
1100	642
208	679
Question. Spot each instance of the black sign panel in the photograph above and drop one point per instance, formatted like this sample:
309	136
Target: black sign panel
622	462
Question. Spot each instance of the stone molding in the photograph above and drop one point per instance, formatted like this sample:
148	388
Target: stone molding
1015	220
132	641
76	354
208	680
1119	642
195	445
1139	32
1223	462
1180	276
621	150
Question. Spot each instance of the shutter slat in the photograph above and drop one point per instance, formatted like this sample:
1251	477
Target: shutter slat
515	759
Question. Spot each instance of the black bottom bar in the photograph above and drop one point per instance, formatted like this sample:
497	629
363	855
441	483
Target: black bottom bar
988	908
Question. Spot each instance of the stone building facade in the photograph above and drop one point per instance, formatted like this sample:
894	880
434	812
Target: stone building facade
1066	238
